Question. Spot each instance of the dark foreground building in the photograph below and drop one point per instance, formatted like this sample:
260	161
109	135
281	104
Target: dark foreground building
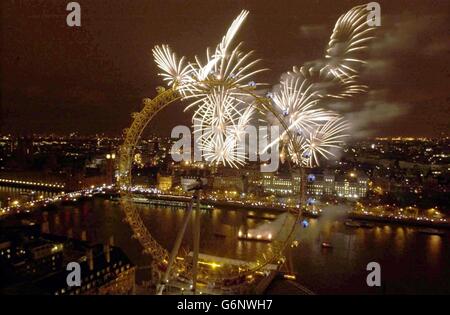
35	263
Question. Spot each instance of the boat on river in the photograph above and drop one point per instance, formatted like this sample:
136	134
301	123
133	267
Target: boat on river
356	224
430	231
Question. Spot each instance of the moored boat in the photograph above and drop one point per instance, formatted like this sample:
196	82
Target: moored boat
351	223
430	231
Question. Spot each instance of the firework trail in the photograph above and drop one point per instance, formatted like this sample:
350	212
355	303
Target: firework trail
335	77
219	88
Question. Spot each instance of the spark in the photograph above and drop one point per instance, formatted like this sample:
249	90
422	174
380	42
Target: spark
174	71
338	73
350	38
221	123
296	101
320	142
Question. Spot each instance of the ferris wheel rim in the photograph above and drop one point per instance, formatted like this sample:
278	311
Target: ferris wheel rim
151	246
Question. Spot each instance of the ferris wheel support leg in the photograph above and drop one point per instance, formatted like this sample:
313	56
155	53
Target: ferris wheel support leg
302	189
175	249
196	243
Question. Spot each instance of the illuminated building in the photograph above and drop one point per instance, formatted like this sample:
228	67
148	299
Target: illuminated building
280	184
352	188
164	182
233	183
318	185
33	258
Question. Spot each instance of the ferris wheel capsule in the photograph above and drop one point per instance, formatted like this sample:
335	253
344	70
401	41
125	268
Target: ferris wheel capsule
305	223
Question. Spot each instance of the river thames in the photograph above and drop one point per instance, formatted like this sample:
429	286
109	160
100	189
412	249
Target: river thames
411	262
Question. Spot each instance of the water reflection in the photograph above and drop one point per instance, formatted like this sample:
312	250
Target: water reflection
400	239
8	194
411	262
434	248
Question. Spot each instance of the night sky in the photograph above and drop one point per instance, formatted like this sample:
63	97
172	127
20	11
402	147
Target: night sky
57	79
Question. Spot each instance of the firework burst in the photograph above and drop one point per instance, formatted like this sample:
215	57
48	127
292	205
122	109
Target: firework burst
296	102
322	140
219	88
221	121
314	130
175	71
337	75
348	41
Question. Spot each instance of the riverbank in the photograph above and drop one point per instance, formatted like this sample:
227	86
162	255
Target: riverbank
400	221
